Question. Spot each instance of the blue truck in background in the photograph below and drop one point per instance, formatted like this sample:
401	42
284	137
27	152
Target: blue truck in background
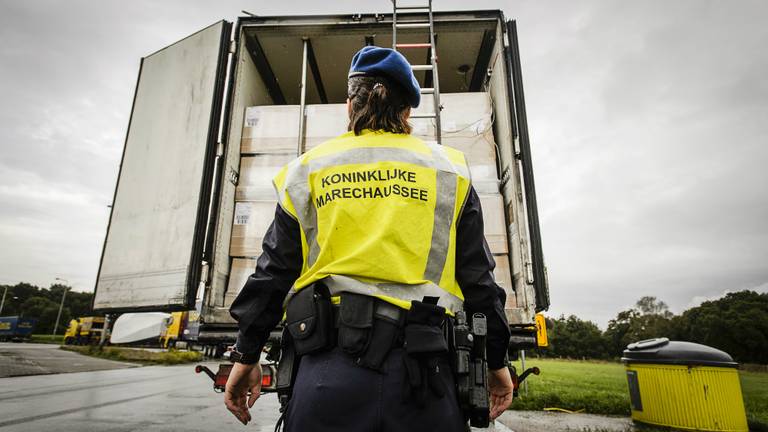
14	328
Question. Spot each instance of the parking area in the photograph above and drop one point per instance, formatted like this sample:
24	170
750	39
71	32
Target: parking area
20	359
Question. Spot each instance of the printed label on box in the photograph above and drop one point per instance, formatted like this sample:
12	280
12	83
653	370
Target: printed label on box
242	213
251	118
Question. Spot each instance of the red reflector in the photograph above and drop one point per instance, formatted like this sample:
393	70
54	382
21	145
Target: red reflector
266	380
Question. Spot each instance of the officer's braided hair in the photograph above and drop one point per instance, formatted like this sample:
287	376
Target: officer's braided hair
377	104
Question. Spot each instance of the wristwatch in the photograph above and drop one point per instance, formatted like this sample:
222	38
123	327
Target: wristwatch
238	357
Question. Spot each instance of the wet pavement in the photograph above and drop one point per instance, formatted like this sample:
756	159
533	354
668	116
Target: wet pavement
168	398
146	399
19	359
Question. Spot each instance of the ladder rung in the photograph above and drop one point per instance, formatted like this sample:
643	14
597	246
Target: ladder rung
421	67
427	90
412	25
413	45
426	115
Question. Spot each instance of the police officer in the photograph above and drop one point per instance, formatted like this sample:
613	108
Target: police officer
374	214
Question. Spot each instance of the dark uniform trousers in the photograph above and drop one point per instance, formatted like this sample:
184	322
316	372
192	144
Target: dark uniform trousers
332	393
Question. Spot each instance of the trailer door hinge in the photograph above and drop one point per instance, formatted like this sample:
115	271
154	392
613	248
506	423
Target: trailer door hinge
529	272
219	148
232	47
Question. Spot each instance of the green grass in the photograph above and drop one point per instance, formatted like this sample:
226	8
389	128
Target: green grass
601	388
45	338
597	388
138	355
754	385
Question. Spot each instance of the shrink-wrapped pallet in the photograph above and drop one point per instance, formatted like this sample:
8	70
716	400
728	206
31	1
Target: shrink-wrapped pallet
494	224
270	129
256	174
238	275
502	272
463	115
466	125
325	122
252	218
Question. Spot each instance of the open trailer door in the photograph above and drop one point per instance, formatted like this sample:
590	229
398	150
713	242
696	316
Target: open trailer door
152	253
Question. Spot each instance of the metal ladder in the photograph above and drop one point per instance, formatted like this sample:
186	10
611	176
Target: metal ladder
435	89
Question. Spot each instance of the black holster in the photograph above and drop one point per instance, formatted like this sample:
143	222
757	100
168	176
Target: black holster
425	345
368	329
469	365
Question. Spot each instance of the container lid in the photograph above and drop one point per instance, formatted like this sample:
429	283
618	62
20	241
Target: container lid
664	351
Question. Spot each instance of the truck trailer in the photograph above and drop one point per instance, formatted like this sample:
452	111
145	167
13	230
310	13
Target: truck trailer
17	329
217	113
84	331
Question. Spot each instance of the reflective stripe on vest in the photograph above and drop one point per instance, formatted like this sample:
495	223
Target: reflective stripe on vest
359	184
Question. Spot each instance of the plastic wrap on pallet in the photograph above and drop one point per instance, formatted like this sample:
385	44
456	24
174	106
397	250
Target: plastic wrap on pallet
270	129
502	273
463	114
252	218
256	174
494	223
238	274
325	122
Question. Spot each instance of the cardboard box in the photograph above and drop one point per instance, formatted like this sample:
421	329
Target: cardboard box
252	218
325	122
503	273
463	114
238	274
494	224
270	129
256	174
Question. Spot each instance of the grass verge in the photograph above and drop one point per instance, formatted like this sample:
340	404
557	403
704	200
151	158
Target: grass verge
137	355
45	338
601	388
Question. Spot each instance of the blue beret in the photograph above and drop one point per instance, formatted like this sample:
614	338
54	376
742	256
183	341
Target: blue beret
386	62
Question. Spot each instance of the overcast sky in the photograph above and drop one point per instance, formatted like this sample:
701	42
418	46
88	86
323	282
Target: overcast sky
648	124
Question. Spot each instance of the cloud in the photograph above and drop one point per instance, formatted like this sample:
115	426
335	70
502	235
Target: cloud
647	123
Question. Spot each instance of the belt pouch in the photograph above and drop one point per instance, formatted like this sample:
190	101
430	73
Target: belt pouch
355	322
423	331
308	319
387	323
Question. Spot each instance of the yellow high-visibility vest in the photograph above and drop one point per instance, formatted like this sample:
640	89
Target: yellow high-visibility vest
378	215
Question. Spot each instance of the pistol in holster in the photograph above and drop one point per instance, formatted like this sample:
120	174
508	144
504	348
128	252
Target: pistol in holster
470	369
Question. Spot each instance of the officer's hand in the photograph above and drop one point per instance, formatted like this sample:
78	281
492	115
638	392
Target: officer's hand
242	378
501	387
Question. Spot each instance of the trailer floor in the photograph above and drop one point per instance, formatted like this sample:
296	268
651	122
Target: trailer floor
19	359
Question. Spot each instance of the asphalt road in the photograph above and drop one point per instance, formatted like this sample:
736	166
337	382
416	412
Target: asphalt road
167	398
146	399
18	359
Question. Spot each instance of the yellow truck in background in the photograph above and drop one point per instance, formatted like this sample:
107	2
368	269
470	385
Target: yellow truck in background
84	331
174	330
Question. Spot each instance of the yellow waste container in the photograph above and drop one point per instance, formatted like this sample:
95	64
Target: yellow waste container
684	385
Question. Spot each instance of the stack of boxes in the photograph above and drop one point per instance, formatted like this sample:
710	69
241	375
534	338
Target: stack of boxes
467	125
269	141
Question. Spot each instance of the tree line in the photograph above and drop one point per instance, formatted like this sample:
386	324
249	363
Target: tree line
736	323
30	301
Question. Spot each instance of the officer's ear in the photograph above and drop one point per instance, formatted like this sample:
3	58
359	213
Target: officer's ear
349	108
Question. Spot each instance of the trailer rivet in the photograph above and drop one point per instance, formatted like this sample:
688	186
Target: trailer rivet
302	326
